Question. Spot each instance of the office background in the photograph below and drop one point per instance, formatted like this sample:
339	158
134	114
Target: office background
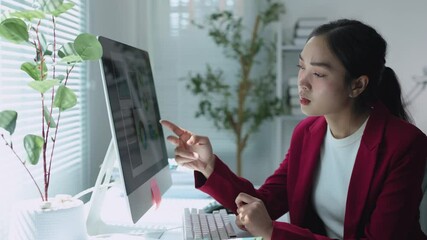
176	48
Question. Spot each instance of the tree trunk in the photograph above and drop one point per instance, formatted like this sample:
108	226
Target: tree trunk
239	159
240	146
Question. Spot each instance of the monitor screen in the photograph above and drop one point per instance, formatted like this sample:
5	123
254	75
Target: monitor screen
137	136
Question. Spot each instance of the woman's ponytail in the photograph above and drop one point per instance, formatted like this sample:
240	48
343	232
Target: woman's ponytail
390	94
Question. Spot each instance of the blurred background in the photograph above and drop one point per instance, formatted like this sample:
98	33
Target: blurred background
177	47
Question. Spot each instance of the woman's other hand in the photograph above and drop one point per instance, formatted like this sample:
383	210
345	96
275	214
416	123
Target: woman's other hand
253	216
192	151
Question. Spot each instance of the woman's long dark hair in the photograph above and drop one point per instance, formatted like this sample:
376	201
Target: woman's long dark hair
362	51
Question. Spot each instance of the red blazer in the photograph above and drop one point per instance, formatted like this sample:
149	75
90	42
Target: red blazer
384	192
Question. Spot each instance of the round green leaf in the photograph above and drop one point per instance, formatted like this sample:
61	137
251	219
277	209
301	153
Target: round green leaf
71	59
60	78
33	145
48	118
28	14
55	7
33	70
48	52
65	98
43	43
8	120
14	30
62	9
68	54
50	5
43	86
67	50
88	46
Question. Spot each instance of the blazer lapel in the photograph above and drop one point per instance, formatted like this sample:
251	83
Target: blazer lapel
363	169
312	144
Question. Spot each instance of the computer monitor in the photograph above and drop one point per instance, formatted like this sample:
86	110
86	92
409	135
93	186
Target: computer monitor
137	147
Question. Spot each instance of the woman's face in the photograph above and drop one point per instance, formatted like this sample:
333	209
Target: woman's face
321	83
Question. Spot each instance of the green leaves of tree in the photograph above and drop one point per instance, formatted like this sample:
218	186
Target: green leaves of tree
244	103
48	118
43	86
208	87
8	120
65	98
88	47
55	7
28	14
14	30
33	145
68	53
35	71
85	47
272	13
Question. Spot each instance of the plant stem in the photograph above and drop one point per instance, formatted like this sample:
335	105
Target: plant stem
47	183
54	49
23	163
45	133
56	130
48	173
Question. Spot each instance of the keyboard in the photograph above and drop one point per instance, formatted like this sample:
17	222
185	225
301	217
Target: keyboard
207	226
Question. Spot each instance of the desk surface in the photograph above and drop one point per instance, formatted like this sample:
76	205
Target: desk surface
168	216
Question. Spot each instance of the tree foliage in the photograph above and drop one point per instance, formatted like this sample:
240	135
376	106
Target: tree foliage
244	104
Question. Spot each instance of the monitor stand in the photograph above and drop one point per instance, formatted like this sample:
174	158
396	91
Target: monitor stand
95	223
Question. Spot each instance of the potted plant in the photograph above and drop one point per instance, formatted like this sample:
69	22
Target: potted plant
243	105
24	27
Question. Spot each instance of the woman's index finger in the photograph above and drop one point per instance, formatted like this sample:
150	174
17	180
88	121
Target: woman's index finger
171	126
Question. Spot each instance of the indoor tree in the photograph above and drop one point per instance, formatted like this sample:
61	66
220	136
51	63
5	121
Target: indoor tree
243	104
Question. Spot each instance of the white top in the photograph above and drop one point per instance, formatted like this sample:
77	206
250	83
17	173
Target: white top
330	187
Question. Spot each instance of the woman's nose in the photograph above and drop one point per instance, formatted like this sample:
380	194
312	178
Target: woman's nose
303	87
303	82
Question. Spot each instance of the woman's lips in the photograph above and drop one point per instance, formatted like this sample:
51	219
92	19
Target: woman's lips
304	101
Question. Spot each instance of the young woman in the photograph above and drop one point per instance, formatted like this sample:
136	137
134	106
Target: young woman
355	166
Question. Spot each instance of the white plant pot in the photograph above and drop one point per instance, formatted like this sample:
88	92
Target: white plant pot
62	218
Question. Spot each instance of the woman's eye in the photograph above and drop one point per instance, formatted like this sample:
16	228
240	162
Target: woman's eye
318	75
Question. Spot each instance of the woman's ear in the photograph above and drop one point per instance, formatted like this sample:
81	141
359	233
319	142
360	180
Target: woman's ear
358	85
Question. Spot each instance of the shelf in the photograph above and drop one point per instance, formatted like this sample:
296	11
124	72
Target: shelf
287	56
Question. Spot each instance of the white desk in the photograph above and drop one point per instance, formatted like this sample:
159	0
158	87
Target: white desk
168	215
